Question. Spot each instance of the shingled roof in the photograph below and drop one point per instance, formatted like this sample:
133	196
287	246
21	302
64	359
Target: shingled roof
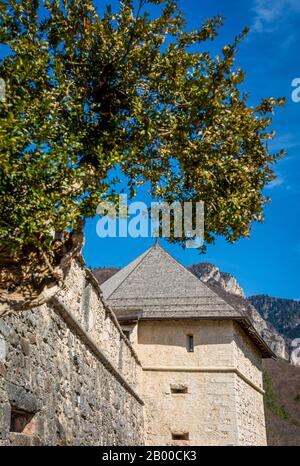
156	286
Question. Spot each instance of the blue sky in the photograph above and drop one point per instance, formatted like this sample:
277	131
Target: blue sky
269	261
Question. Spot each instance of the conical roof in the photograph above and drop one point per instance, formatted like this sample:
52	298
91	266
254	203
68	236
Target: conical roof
157	286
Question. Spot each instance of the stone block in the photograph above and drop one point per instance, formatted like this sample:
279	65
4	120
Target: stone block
4	328
3	350
25	346
22	398
2	370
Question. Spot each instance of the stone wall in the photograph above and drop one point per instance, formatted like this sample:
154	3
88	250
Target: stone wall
250	406
67	373
250	415
221	382
247	358
207	412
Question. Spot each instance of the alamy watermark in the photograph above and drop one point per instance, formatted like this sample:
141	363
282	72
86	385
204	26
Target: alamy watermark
296	91
136	219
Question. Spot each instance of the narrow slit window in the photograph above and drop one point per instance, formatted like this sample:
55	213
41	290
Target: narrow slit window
180	436
190	343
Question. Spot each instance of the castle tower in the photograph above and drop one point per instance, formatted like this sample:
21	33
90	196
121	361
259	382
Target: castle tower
201	355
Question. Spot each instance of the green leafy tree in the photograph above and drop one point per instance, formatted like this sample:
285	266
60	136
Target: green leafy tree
87	92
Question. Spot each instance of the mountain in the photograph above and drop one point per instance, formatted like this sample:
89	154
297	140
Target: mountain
276	319
283	314
210	273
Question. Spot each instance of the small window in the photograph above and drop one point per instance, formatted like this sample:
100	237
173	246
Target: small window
127	334
180	436
22	422
190	343
178	390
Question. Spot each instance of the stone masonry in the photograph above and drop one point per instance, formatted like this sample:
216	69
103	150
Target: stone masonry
159	358
68	376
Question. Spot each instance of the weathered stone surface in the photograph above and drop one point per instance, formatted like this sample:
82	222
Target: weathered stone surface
209	273
4	417
4	328
25	346
32	339
75	396
21	397
22	440
223	403
2	349
2	370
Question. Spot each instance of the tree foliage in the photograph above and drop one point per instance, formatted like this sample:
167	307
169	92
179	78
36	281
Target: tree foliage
86	92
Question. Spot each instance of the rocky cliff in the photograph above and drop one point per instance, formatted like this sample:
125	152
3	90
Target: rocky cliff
210	273
278	342
284	314
213	275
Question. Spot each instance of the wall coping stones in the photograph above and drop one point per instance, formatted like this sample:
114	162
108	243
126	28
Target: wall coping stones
109	311
66	314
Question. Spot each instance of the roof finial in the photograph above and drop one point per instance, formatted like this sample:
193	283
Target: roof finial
156	243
